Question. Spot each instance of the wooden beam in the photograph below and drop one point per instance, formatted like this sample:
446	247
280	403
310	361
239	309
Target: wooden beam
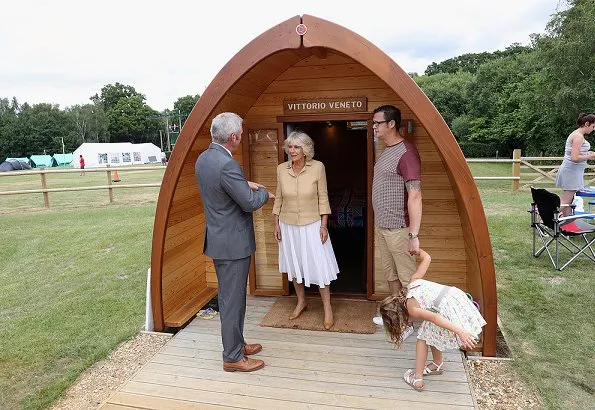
319	52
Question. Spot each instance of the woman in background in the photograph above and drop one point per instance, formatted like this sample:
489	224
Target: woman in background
576	153
301	212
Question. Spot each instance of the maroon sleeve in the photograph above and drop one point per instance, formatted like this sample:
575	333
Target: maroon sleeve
410	164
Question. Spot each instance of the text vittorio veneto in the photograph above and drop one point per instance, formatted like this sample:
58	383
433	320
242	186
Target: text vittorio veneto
323	105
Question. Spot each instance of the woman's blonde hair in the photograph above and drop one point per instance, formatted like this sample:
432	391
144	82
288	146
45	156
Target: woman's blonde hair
301	139
395	317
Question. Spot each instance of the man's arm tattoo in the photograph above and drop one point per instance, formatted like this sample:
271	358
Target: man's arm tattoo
413	185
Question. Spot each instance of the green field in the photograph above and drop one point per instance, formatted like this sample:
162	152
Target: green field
71	199
72	287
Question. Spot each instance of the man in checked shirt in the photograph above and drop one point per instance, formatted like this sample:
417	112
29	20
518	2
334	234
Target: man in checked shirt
396	200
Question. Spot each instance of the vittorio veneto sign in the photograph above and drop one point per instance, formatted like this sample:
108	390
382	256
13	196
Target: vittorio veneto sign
326	105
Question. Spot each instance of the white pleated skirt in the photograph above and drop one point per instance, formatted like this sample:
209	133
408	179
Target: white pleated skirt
304	257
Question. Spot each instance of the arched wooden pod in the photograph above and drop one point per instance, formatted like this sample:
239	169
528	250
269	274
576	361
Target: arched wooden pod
327	62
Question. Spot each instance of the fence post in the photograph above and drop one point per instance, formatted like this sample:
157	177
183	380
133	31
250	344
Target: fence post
110	190
516	169
46	199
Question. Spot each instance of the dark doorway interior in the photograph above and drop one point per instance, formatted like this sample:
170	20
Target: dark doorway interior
343	152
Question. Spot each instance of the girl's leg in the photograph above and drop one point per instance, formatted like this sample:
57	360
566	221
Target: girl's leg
300	292
436	358
566	198
421	355
325	294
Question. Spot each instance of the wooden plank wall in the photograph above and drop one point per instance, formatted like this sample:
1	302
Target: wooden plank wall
264	154
340	76
185	271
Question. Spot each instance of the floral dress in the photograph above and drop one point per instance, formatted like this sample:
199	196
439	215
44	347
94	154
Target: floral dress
450	302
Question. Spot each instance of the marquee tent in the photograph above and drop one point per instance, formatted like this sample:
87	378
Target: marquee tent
41	161
116	154
63	160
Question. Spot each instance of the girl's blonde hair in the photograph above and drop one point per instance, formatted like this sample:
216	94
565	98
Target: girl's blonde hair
395	317
301	139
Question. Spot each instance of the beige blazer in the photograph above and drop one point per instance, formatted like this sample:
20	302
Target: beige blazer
301	199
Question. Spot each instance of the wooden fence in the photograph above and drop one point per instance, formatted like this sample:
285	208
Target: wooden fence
530	171
543	170
112	174
525	172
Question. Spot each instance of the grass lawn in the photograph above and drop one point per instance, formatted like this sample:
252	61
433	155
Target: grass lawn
547	316
72	287
72	280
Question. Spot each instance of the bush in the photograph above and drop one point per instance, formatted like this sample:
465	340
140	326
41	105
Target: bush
472	149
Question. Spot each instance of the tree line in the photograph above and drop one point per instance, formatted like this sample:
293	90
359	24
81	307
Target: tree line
525	97
118	113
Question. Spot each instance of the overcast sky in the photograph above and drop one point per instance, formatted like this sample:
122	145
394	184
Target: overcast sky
64	51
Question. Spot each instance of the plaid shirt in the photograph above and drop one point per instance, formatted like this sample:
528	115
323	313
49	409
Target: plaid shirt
396	165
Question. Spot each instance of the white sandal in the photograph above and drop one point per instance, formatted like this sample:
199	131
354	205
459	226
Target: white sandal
437	370
410	379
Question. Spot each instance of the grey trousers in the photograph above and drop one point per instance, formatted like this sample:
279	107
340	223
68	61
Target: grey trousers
232	276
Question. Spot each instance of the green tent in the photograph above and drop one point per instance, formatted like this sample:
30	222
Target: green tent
63	160
41	161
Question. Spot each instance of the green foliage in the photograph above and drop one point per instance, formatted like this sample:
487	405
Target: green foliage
118	114
39	128
131	120
185	104
111	94
522	97
90	124
567	54
450	92
471	62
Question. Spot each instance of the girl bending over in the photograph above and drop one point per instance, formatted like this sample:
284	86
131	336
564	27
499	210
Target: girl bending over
450	321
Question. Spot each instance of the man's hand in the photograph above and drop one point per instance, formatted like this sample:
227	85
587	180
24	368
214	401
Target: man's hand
271	196
254	185
413	246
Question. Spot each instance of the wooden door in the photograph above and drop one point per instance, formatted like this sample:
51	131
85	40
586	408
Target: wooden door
264	153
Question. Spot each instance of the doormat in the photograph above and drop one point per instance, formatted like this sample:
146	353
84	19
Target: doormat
351	316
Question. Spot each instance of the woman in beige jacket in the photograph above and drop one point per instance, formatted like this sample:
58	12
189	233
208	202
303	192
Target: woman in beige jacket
301	212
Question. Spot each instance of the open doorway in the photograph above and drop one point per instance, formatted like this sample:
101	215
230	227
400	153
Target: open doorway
342	147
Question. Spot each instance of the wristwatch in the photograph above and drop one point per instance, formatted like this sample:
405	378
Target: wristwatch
412	235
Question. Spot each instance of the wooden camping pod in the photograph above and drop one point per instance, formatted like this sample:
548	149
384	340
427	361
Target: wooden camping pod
324	62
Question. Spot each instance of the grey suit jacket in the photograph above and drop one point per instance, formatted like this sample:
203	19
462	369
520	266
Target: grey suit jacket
228	204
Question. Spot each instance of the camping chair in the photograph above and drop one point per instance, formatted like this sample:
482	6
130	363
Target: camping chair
556	230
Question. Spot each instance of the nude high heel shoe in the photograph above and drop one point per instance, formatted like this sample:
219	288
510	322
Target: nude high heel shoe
328	323
298	314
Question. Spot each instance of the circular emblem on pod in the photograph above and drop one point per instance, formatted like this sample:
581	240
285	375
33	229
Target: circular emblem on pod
301	29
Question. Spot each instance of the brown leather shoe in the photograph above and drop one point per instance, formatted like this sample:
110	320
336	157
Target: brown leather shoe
251	349
244	365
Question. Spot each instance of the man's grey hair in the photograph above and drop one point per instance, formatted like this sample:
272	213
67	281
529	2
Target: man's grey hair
225	124
301	139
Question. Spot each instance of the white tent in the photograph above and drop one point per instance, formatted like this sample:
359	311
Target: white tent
116	154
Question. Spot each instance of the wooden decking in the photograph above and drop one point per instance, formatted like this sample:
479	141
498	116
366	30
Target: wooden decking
304	370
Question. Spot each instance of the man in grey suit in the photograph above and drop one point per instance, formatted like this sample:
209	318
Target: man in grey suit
228	201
